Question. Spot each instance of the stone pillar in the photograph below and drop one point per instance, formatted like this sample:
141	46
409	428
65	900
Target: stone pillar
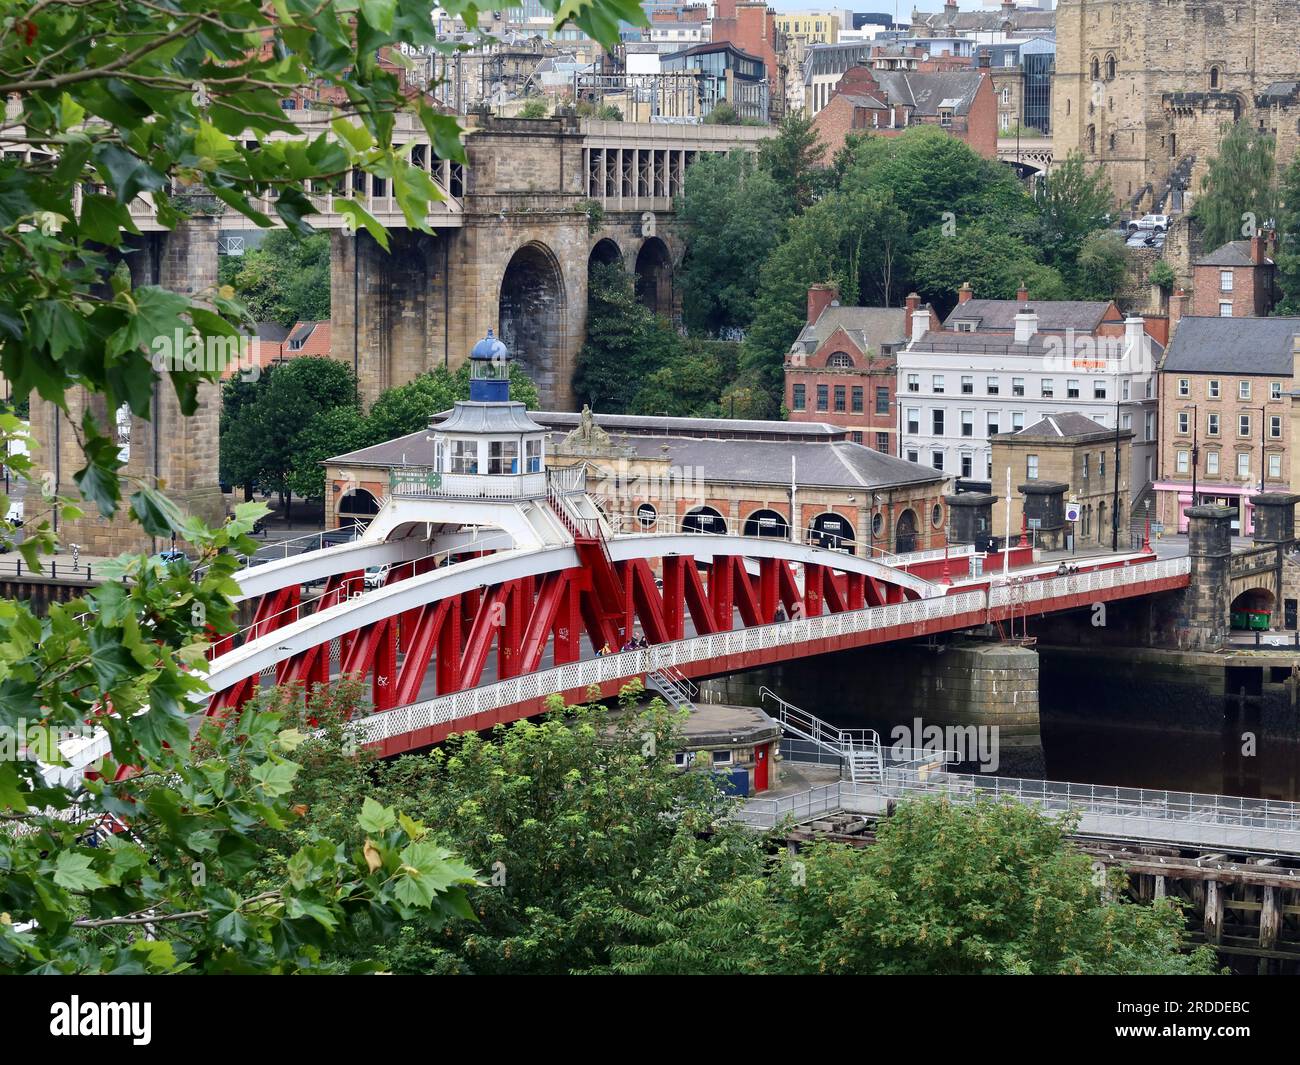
1045	503
1275	525
970	517
177	453
1209	533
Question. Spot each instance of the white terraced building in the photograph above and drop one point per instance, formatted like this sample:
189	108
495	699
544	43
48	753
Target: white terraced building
1000	365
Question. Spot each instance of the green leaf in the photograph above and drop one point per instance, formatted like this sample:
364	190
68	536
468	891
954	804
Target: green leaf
72	872
374	818
276	778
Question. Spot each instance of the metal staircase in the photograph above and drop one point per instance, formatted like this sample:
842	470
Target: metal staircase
859	748
674	686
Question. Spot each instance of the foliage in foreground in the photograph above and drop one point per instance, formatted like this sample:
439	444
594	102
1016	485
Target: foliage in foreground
596	854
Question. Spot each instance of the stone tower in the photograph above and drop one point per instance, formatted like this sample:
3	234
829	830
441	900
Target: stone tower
180	454
1143	87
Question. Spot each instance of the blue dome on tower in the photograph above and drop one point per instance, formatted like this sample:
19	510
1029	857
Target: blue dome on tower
489	371
490	348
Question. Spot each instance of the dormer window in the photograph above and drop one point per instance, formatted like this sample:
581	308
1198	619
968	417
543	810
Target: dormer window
965	327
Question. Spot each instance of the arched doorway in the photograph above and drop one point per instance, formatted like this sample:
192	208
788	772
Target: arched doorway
704	520
767	523
654	276
1253	609
357	505
834	531
905	533
531	315
605	253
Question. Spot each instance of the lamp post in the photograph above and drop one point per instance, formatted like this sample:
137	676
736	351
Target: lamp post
1196	450
1114	501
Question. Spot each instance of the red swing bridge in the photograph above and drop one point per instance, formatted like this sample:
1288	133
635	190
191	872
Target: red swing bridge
487	584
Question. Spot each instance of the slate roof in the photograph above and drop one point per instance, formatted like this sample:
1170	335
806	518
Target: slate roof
1083	316
1234	253
872	329
984	21
925	92
1240	346
1066	426
721	449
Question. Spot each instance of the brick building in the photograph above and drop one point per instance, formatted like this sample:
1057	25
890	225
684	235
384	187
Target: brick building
1073	450
1235	281
1225	401
885	103
751	27
841	370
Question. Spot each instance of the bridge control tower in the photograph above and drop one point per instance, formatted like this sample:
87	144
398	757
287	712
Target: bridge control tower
489	473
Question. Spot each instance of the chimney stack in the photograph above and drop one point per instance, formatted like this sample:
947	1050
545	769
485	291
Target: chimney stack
911	303
819	298
1022	295
1026	325
964	293
1135	345
1259	247
1177	308
920	321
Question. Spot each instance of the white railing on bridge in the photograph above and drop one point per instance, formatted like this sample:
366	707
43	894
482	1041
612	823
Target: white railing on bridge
628	664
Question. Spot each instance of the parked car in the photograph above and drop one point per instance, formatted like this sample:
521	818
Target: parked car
375	577
1156	223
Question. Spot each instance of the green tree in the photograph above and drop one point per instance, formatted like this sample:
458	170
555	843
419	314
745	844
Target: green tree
1073	203
723	114
284	279
995	263
111	99
263	432
625	342
1239	190
691	385
794	160
736	217
575	820
330	431
1099	267
1288	238
992	888
534	109
852	238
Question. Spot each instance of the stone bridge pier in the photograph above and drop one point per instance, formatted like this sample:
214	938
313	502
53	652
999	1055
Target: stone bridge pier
179	453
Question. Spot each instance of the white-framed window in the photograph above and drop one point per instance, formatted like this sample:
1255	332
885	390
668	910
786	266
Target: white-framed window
1149	425
464	456
936	421
913	419
503	456
1126	389
1017	420
1072	389
1031	467
1182	461
1225	309
1184	387
1243	464
1212	463
1184	422
1212	389
1275	426
534	455
993	386
1098	388
1212	424
1275	466
1275	390
1243	390
1225	280
1086	464
1048	388
936	383
1017	386
968	423
967	386
994	421
913	456
914	382
1243	425
720	757
936	460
